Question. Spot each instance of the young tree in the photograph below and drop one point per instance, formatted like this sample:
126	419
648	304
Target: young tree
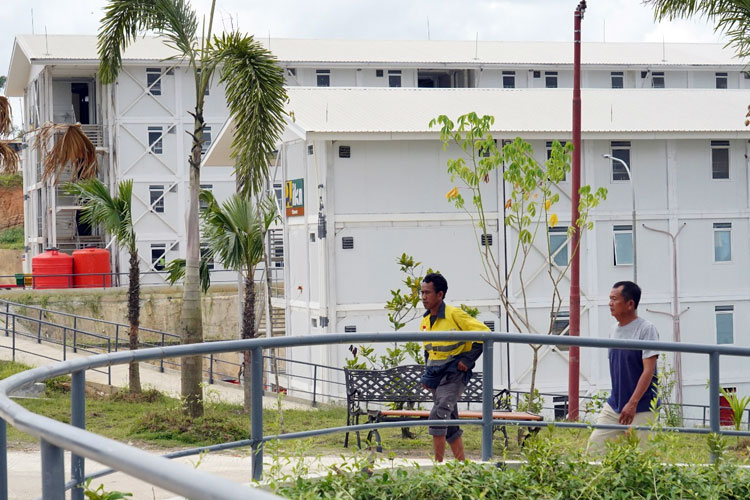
255	93
115	215
235	232
529	214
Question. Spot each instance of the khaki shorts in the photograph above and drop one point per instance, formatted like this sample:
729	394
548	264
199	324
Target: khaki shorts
608	416
446	396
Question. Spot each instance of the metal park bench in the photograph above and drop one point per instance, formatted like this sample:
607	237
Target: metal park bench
402	385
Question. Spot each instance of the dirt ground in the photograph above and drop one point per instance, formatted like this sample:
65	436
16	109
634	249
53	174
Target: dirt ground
11	262
11	207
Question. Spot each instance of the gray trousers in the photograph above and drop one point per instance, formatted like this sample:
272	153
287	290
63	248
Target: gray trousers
445	406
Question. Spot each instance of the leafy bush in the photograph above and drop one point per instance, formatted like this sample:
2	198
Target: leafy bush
627	471
11	180
12	238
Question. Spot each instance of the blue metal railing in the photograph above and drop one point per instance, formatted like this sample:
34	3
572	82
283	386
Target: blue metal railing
56	436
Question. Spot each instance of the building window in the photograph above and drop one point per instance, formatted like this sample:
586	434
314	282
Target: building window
379	73
721	80
623	245
724	324
153	80
156	198
549	154
158	256
202	205
720	159
154	139
560	326
509	79
206	139
394	77
207	256
550	79
620	150
657	79
323	77
618	79
722	241
558	240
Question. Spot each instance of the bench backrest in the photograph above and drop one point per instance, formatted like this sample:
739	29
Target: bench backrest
399	384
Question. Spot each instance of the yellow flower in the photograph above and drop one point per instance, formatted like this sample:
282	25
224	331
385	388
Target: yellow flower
553	220
547	204
452	193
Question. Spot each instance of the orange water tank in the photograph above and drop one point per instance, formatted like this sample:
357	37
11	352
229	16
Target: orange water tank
52	269
92	268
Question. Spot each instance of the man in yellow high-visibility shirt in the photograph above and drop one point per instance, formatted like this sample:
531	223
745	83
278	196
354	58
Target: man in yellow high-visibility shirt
449	363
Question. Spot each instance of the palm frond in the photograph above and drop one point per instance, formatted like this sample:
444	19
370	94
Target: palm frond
125	20
6	116
254	86
731	17
176	271
9	160
70	147
114	214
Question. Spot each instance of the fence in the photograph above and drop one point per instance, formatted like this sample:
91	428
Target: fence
56	437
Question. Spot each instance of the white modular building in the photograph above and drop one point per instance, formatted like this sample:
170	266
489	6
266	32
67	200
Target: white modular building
361	154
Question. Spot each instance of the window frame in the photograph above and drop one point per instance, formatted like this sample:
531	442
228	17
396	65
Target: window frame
658	76
617	74
393	76
719	312
511	75
614	148
547	76
720	146
206	142
155	143
561	327
719	76
156	192
153	85
722	227
622	229
559	231
325	74
155	265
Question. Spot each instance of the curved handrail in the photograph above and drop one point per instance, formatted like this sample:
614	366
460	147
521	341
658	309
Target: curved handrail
197	485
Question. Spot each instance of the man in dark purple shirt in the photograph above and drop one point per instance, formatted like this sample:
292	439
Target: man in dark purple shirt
633	372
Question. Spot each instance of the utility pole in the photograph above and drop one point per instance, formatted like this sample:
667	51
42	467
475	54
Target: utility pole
575	287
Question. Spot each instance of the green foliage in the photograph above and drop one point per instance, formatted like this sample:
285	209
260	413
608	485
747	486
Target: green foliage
100	494
11	180
531	404
471	311
671	414
12	238
115	214
737	405
592	407
176	271
402	307
8	368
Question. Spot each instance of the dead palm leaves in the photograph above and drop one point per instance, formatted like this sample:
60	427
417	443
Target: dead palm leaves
70	146
6	116
8	157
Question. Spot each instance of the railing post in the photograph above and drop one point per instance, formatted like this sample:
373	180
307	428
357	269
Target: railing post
77	419
315	386
487	399
39	329
13	350
161	360
117	336
211	368
3	460
53	472
256	412
75	333
713	395
109	367
7	315
65	344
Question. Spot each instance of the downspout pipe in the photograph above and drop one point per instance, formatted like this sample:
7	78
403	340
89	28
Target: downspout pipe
575	288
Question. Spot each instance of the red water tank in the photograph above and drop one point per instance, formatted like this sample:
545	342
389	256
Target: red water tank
52	269
92	268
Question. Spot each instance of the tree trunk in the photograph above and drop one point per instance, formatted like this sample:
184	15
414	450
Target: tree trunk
191	325
134	312
534	365
248	332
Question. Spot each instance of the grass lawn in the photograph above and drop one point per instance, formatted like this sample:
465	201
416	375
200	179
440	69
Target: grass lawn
153	420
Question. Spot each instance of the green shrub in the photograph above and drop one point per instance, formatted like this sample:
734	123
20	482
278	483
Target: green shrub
12	238
14	180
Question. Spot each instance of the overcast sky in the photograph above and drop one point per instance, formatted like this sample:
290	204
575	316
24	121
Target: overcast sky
544	20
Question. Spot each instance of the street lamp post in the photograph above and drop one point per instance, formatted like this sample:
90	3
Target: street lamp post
632	192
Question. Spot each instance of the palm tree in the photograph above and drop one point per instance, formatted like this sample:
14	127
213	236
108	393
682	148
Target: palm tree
235	232
114	214
255	94
731	17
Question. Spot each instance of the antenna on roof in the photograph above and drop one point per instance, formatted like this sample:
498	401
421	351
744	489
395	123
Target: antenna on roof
476	47
269	37
46	41
428	27
32	22
663	50
604	31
